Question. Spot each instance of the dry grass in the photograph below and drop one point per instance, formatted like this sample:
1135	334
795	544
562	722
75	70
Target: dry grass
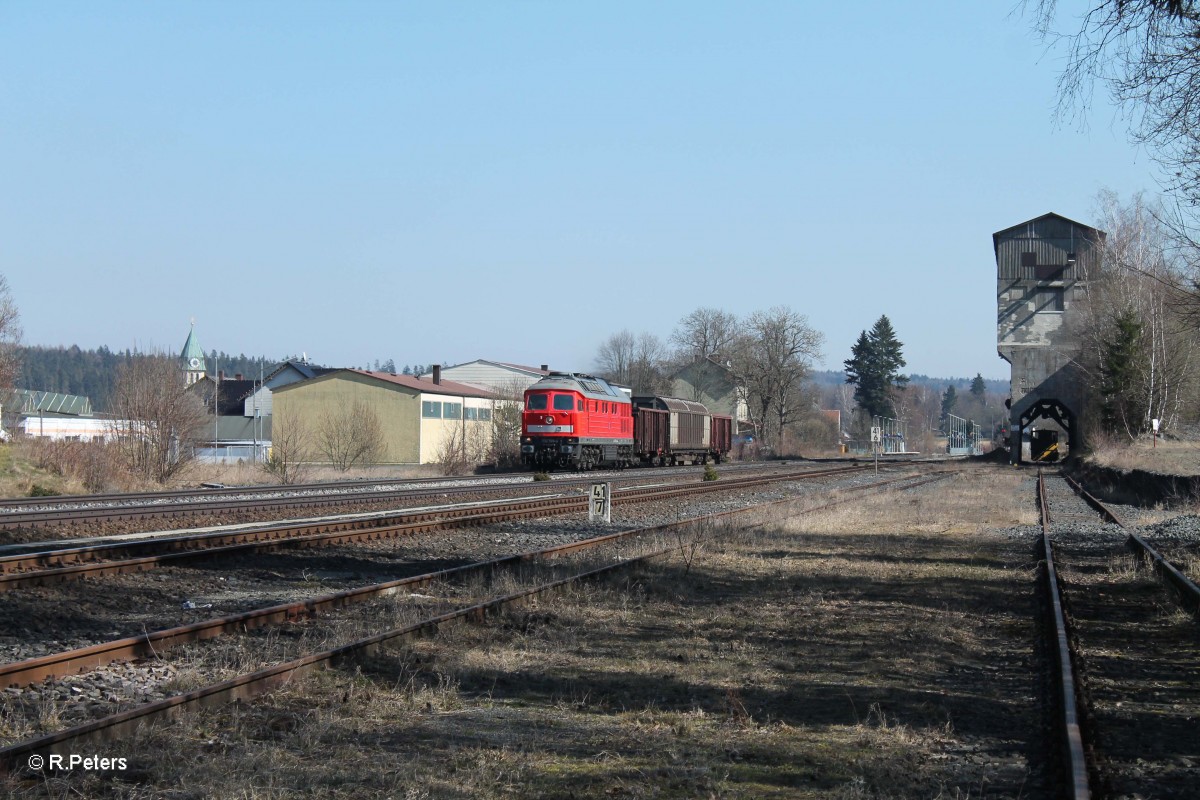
858	654
250	474
1166	457
19	472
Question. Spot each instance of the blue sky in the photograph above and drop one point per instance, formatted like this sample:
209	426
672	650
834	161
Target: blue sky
446	181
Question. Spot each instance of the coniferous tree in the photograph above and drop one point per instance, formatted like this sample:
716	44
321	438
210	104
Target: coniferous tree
949	400
874	369
1119	373
978	386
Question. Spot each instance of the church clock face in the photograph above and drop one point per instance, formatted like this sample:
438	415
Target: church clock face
195	363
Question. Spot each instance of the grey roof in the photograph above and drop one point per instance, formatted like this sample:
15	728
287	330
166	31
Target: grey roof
407	381
32	402
302	367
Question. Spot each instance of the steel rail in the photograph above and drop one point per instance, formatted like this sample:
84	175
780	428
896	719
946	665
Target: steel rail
81	509
257	540
1075	761
76	516
1186	590
15	757
363	484
71	662
249	533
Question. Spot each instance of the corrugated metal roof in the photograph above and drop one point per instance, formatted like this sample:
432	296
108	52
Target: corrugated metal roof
32	402
505	364
1058	220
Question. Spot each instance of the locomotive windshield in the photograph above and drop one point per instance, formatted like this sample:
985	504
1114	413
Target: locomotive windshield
564	402
537	402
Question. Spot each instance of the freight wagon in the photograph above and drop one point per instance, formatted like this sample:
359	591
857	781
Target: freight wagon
580	421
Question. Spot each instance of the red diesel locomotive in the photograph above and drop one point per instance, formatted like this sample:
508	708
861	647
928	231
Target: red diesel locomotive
583	422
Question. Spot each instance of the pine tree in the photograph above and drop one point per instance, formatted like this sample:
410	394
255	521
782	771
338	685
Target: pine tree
978	386
874	368
949	400
1119	373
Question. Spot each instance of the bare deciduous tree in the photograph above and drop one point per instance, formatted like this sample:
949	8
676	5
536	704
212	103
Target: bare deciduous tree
633	361
1145	52
155	418
349	437
771	360
507	406
291	450
10	336
1136	346
705	332
616	357
704	338
451	453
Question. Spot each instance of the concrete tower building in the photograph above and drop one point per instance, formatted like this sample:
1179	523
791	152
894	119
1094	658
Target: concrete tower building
1041	270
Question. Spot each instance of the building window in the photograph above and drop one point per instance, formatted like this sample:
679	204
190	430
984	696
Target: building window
485	415
1050	300
1048	272
451	410
1028	259
431	409
470	413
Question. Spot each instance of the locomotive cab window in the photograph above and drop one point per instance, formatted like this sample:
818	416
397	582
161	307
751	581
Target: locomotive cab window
538	402
579	406
564	402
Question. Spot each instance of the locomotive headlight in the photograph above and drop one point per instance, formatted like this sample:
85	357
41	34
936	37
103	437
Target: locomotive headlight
549	420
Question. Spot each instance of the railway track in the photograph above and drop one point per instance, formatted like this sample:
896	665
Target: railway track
17	756
46	567
40	513
1129	691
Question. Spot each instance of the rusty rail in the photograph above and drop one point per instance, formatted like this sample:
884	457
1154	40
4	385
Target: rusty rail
1075	762
77	509
15	756
262	539
58	665
1186	590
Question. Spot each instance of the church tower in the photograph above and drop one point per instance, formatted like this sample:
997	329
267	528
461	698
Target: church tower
192	358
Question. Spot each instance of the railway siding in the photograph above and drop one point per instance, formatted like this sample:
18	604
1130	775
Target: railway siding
1136	651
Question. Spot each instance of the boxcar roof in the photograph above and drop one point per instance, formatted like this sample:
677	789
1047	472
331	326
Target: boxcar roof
672	404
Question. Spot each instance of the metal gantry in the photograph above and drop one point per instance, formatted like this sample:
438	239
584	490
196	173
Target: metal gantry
962	437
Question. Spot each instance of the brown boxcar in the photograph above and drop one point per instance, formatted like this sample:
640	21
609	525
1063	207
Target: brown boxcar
690	427
651	435
720	441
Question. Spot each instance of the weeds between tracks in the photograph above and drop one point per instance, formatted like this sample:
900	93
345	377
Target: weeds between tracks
878	650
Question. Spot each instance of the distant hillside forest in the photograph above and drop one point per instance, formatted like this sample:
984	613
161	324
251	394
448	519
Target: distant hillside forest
92	373
1000	387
